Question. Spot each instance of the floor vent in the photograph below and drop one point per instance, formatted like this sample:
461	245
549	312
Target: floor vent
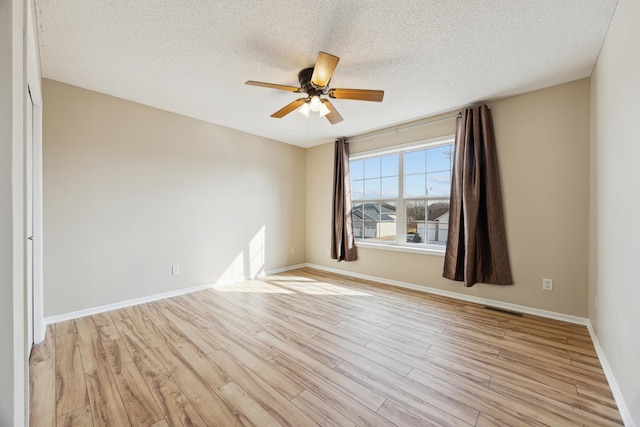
501	310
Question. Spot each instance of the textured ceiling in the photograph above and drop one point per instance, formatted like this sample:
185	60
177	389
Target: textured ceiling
193	57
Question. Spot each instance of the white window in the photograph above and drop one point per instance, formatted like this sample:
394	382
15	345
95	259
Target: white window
400	195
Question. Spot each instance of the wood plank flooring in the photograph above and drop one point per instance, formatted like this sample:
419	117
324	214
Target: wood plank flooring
308	348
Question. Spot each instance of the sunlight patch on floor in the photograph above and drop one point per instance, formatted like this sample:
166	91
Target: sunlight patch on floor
319	288
288	285
254	286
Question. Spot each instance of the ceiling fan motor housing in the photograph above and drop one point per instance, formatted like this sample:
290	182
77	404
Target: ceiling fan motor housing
304	77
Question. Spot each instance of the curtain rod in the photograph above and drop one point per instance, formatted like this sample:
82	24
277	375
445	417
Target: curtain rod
399	129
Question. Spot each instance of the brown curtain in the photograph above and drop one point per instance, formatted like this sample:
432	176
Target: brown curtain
343	245
477	244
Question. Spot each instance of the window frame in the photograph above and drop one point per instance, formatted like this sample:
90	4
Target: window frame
399	244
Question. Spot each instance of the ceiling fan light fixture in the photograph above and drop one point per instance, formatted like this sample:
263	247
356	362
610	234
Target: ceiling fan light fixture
314	104
304	110
324	110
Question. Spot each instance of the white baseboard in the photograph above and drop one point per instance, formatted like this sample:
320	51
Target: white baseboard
136	301
613	384
469	298
282	270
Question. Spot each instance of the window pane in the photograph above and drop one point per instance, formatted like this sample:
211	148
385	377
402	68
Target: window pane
438	222
357	189
439	183
390	165
414	162
372	168
371	219
390	188
387	224
379	221
415	211
372	188
371	211
387	211
356	169
358	228
439	158
414	185
356	216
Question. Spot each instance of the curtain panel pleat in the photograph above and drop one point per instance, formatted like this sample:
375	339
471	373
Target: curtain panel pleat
477	244
343	246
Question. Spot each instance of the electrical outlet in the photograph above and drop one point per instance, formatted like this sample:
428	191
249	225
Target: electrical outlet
547	284
293	251
175	270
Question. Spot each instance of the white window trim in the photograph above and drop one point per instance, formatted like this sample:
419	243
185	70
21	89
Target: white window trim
394	247
416	145
399	245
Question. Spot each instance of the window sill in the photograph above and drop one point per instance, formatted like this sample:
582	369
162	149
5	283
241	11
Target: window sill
400	248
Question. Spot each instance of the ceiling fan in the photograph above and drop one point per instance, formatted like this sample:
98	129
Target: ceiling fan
314	81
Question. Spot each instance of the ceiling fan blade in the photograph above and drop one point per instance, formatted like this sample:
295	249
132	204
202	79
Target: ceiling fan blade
357	94
288	108
323	70
274	86
333	116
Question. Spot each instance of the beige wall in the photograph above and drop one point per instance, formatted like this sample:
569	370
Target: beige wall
131	190
543	147
615	201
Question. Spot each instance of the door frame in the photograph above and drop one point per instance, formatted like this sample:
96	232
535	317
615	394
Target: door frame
34	83
28	220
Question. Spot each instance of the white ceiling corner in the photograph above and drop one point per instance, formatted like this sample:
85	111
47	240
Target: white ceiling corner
193	57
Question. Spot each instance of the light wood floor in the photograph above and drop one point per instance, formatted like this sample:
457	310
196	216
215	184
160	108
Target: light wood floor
307	348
